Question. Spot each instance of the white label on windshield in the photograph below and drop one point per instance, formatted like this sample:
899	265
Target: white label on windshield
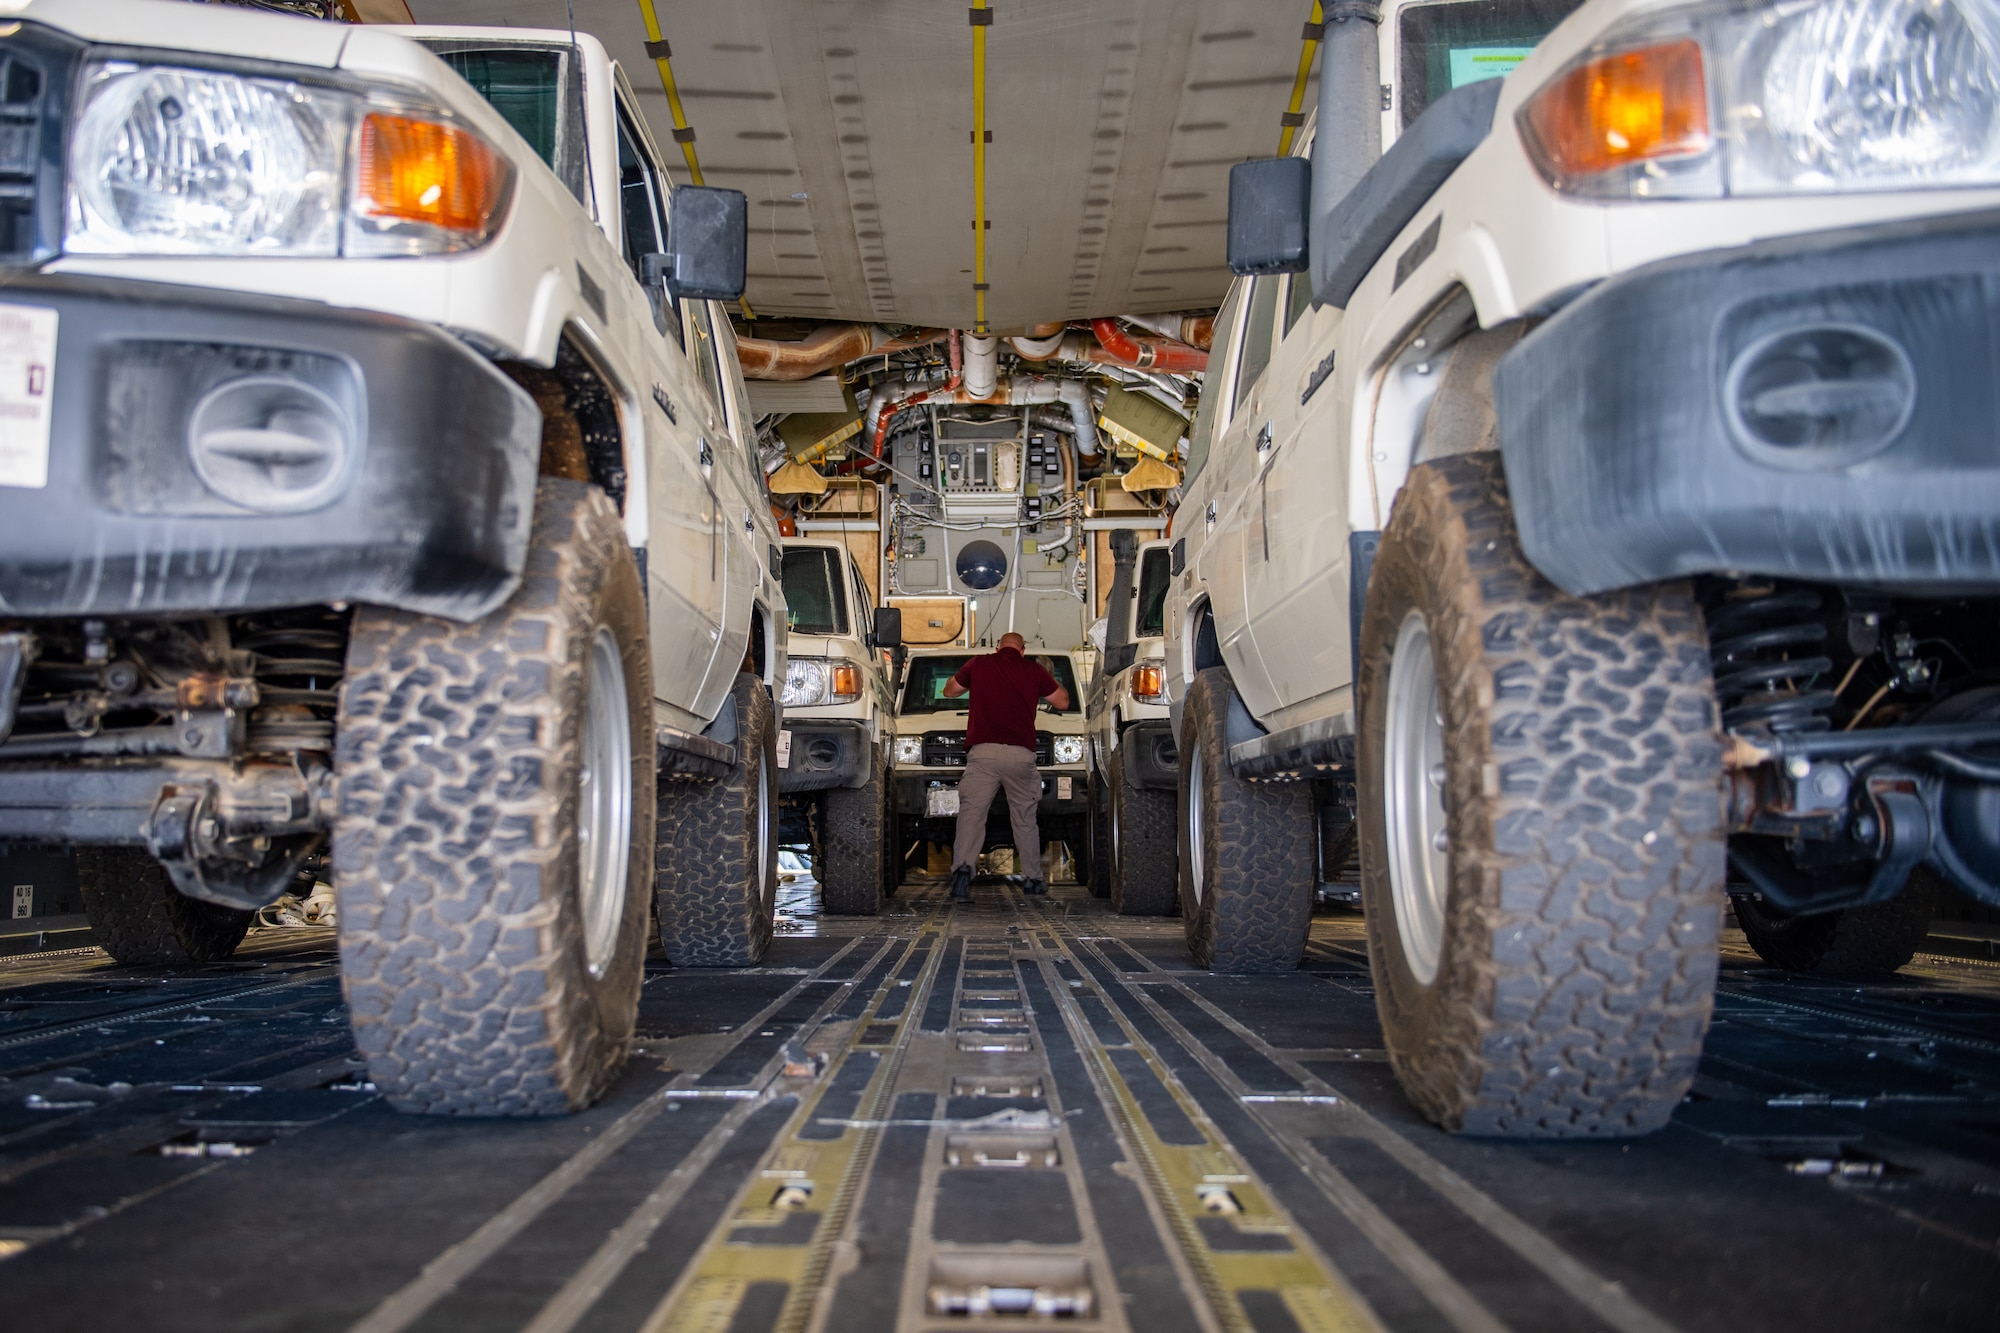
27	377
1472	64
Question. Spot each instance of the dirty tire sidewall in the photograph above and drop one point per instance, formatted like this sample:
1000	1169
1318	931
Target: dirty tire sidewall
853	844
716	884
1144	868
456	855
1255	907
140	919
1583	794
1097	832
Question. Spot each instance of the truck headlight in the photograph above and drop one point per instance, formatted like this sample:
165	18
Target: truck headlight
1814	97
1068	750
909	749
170	161
179	161
805	682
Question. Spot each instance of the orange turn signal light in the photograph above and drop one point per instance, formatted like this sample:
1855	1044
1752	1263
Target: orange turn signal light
1618	110
1147	682
422	171
847	682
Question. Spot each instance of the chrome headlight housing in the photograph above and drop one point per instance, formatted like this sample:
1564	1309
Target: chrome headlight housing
805	682
1068	749
178	161
1776	97
909	749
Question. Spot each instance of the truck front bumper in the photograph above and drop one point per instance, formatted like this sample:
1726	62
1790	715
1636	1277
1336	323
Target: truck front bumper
180	480
912	797
825	754
1151	761
1817	407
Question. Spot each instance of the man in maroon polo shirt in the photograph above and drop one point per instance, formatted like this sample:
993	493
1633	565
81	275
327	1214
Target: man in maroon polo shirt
1000	752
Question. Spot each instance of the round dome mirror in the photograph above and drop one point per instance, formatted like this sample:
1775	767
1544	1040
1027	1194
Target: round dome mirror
981	565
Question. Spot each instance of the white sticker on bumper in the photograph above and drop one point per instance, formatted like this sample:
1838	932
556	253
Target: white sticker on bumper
27	393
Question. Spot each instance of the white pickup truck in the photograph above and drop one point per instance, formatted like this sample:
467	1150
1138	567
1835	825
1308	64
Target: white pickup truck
1133	766
840	716
1602	479
375	467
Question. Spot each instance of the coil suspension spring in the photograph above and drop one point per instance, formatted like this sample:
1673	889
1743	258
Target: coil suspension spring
1767	652
298	660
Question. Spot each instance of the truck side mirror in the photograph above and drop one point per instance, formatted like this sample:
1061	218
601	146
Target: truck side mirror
1268	201
708	239
888	631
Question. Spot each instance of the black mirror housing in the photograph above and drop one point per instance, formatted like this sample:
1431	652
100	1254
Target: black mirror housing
888	630
708	240
1268	203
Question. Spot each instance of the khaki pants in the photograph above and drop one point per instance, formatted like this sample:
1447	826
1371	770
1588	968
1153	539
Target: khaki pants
987	769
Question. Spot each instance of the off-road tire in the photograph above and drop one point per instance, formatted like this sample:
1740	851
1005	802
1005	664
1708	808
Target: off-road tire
1098	830
717	886
1255	906
1144	870
1584	812
140	919
456	852
1859	942
853	846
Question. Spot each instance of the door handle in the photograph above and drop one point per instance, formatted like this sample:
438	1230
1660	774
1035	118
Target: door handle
1264	440
1211	513
707	454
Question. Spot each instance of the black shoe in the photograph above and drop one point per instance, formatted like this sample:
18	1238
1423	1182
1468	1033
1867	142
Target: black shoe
961	882
1034	888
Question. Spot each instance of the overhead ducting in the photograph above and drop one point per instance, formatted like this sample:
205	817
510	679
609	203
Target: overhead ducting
825	348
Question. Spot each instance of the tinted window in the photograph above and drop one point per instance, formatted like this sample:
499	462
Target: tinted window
523	85
1203	429
815	603
923	689
639	199
1256	335
702	350
1154	577
1447	46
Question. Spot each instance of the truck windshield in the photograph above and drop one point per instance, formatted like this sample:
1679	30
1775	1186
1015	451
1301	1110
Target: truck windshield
1448	45
815	602
1153	579
923	691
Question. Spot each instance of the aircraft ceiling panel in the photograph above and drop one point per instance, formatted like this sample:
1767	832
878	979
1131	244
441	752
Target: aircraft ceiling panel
849	125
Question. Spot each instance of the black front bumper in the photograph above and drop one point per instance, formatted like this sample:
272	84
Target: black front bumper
1151	761
431	514
826	755
1052	813
1639	446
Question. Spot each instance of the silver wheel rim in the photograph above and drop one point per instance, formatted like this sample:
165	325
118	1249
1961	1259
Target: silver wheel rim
1196	862
604	802
767	881
1413	790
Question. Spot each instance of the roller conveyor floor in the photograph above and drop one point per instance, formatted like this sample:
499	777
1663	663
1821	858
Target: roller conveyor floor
990	1116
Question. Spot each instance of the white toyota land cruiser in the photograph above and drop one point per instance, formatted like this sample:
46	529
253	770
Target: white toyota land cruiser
840	716
930	756
1615	501
1133	767
373	466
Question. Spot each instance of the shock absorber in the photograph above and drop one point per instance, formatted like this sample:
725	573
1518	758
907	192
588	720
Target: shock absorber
1767	649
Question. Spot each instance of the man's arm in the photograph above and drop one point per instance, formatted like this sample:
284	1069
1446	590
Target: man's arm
953	688
1058	699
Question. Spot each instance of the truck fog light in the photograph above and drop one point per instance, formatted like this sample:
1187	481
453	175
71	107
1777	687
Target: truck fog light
1069	749
1820	397
909	749
271	444
822	752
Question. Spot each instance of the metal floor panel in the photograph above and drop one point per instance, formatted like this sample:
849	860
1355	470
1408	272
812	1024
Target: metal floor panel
1013	1113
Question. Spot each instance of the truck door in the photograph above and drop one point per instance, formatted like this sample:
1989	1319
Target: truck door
1295	567
1244	443
683	561
725	512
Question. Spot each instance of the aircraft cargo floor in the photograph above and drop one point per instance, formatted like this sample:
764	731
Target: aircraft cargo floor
1008	1114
